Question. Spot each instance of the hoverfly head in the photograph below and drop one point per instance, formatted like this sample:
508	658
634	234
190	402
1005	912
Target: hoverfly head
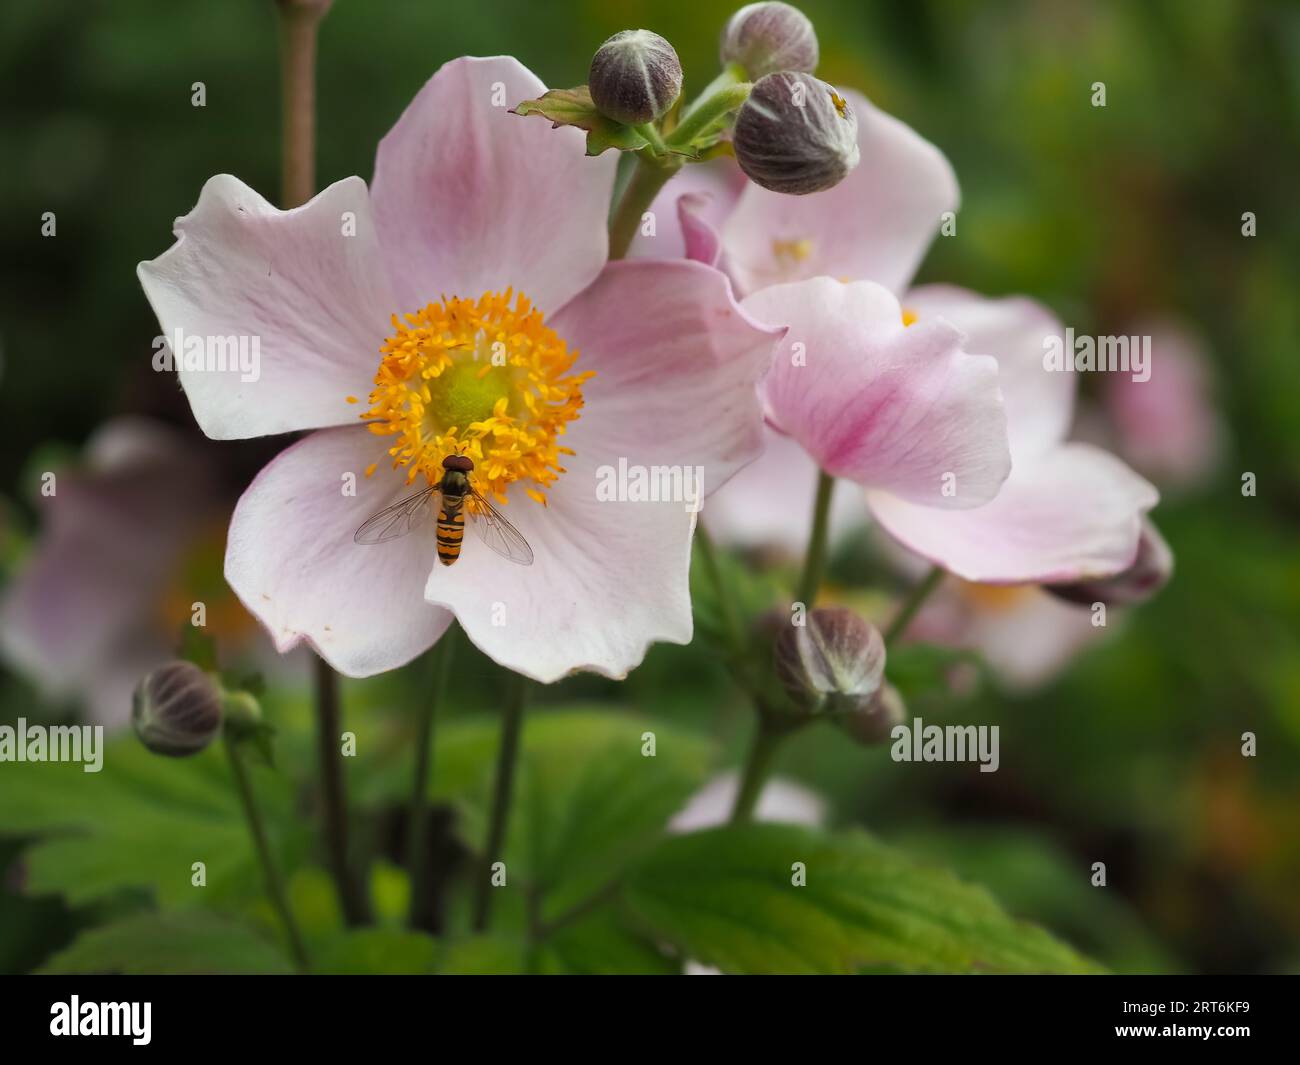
460	463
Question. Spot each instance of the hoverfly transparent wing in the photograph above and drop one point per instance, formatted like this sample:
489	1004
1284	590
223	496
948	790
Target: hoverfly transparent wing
495	531
396	521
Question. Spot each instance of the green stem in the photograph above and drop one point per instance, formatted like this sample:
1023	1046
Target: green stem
732	74
651	133
762	753
913	603
507	760
270	871
705	112
649	176
299	22
814	562
352	899
417	839
730	618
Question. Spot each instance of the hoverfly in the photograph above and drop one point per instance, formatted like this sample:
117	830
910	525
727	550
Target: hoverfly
454	489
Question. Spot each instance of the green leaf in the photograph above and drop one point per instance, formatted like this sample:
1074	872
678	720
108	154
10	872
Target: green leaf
142	822
385	951
603	945
171	943
483	956
573	107
590	801
725	897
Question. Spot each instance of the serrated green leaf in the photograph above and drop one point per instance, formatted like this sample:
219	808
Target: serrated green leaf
171	944
141	822
589	801
573	107
725	897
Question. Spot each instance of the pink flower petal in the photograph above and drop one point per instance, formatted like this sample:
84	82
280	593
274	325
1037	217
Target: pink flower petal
903	409
1039	402
317	302
471	198
1168	425
689	213
292	561
875	225
769	503
1071	513
1026	636
676	364
112	534
607	580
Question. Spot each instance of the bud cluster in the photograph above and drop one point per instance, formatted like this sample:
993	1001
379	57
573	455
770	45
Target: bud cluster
834	666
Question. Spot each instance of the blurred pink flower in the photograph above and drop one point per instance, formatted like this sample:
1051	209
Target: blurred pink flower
131	539
1068	511
1026	635
1168	426
467	199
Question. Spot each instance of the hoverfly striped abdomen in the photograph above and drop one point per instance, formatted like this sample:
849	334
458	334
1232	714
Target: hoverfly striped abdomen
451	530
451	515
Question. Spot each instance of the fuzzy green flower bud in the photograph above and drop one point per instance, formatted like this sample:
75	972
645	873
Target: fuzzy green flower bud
834	663
795	134
1150	572
635	76
769	37
176	710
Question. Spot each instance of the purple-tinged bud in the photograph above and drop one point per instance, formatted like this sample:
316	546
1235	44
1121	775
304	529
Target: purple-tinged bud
834	663
768	37
1150	572
635	76
795	135
873	723
176	710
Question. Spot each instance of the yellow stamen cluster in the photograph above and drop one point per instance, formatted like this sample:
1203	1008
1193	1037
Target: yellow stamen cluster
480	378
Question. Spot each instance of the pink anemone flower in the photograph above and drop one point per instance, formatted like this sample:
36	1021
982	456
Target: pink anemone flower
1067	511
130	545
463	305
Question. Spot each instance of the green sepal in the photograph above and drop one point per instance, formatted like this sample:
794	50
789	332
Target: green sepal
573	107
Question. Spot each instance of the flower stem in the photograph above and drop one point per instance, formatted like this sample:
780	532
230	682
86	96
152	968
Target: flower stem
507	760
730	618
814	562
417	839
270	871
710	108
913	603
649	176
356	910
762	753
299	22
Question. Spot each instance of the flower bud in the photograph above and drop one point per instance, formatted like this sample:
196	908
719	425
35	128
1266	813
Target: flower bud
873	723
768	37
1150	572
834	663
795	135
635	76
176	710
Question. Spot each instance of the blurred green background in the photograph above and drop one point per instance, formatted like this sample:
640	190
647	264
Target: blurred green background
1106	214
